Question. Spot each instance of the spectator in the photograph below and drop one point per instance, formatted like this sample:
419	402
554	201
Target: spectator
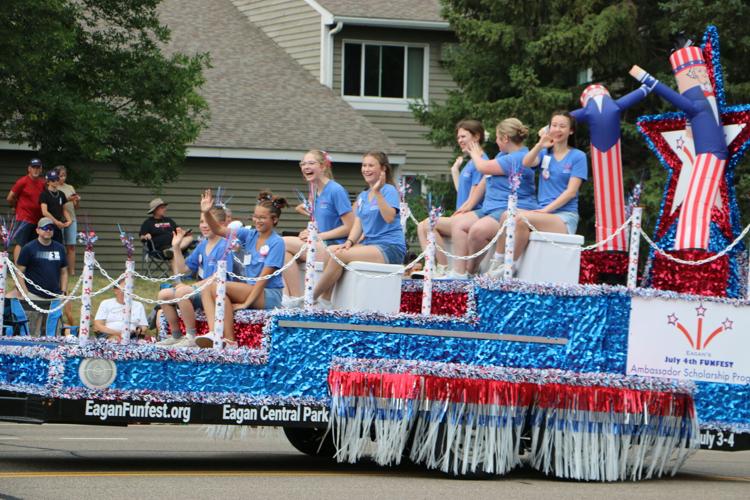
158	229
24	197
109	321
52	202
42	261
70	233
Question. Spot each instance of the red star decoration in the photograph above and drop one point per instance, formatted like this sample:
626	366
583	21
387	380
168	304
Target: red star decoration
653	129
713	278
653	126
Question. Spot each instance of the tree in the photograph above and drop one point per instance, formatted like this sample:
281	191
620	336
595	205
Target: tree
89	80
523	58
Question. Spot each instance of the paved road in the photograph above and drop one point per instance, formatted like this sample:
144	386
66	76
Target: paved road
181	462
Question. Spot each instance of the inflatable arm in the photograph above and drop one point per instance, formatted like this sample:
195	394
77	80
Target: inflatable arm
653	85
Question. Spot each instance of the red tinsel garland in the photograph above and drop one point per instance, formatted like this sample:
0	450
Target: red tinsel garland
246	334
443	303
707	279
608	267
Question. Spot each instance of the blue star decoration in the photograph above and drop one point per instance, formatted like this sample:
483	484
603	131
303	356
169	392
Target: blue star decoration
725	225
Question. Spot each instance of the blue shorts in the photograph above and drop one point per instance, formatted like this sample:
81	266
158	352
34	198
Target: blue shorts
570	219
272	298
70	233
24	233
196	301
392	254
495	214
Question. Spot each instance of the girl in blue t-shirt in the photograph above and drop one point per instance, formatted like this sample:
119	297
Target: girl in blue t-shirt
563	169
472	231
376	235
263	254
201	263
469	184
332	211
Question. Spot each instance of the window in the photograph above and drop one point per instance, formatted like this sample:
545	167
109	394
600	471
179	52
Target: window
585	76
384	71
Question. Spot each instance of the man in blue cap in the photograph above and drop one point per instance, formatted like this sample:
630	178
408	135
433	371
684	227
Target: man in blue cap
43	262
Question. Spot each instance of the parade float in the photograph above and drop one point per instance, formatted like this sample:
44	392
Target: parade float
471	377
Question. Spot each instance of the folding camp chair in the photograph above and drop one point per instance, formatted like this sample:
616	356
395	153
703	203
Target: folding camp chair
15	321
155	263
38	323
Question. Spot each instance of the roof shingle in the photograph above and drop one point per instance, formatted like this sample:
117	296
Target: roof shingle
416	10
259	97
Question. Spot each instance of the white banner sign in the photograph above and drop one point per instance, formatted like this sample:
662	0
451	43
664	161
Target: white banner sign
684	340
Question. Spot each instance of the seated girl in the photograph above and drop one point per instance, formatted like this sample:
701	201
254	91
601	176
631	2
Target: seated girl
563	170
263	254
376	235
474	230
469	184
332	211
200	263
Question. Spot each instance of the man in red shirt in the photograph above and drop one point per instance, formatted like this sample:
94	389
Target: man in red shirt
24	196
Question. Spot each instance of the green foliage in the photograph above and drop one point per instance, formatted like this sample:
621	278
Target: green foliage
522	58
88	80
443	195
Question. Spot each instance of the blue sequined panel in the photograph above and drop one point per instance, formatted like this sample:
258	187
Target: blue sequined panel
16	370
595	326
723	402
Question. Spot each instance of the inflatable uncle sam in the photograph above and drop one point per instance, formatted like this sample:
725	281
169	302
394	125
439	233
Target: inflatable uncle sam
697	100
602	114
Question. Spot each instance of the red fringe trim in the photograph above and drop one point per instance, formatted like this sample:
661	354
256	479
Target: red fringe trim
506	393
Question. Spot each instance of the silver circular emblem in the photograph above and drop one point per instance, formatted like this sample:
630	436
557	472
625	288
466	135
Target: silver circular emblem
97	373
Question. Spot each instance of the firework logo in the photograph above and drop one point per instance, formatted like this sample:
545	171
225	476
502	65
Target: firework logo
698	339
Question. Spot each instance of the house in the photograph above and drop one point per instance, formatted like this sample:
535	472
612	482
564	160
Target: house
286	76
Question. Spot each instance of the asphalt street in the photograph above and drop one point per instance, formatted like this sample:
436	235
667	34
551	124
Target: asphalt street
183	462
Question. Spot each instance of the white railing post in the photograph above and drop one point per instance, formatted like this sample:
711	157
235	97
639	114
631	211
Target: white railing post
84	327
221	290
429	264
312	253
128	311
635	243
403	207
404	213
510	237
3	277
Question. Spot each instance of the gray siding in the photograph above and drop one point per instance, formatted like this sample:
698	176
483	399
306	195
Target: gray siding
292	24
109	200
422	157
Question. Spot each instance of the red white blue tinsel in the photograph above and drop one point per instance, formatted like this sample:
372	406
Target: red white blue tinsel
469	419
726	275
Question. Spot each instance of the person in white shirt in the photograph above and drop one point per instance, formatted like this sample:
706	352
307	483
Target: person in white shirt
110	317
